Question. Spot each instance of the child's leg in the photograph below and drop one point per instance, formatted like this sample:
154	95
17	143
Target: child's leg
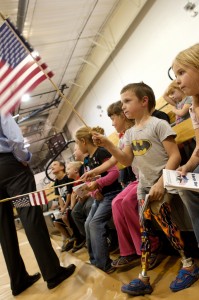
126	220
146	244
65	219
163	218
189	272
141	286
190	200
98	232
87	230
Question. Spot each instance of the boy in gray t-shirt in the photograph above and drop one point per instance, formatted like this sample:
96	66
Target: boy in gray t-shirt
150	145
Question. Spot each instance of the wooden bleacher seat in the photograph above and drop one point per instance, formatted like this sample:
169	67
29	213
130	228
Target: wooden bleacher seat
184	131
163	105
114	138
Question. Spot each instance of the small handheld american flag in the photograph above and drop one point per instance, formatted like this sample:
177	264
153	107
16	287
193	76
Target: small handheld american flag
19	72
32	199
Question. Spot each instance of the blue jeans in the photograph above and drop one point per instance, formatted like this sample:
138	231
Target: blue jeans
191	201
96	231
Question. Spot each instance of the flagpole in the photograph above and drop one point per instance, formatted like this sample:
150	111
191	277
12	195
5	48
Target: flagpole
52	82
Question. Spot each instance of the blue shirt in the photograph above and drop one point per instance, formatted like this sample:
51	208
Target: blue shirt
11	139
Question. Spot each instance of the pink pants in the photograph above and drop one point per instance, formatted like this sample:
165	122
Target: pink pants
126	220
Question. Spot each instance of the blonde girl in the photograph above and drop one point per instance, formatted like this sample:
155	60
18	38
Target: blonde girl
186	69
104	190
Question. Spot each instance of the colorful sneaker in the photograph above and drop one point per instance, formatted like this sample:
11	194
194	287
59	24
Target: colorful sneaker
185	279
124	261
137	287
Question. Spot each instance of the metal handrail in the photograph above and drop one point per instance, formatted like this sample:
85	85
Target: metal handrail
50	162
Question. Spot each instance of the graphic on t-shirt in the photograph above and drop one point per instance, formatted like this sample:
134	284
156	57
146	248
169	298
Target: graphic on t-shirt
140	147
63	192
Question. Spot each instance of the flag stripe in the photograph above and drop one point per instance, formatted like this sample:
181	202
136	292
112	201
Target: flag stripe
15	70
6	108
15	97
16	80
38	198
4	68
19	72
32	199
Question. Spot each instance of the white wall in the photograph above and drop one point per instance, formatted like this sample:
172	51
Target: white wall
144	55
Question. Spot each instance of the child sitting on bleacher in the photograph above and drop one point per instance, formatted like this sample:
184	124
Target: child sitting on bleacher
105	189
64	195
150	145
180	102
186	69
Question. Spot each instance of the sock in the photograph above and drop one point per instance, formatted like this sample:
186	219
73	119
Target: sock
144	278
188	262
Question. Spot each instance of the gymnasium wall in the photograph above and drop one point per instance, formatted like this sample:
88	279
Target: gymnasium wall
145	53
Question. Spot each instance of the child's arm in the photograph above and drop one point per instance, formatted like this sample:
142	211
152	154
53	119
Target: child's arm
196	106
66	204
112	175
157	190
100	169
193	162
168	99
183	111
124	156
73	200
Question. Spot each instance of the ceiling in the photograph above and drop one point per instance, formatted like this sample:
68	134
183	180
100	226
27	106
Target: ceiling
69	35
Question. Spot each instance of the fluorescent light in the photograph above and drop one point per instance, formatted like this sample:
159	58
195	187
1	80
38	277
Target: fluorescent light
14	117
35	54
25	98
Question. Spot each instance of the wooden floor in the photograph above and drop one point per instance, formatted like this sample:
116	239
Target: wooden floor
89	283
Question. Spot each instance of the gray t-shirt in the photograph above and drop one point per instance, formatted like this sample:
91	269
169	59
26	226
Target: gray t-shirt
150	156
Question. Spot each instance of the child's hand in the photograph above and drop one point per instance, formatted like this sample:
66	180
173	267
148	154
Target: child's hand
88	175
98	196
183	170
62	210
99	139
156	192
92	186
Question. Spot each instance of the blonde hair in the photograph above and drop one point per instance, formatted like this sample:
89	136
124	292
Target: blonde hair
188	57
76	164
173	86
86	133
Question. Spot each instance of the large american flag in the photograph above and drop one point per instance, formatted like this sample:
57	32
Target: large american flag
19	72
32	199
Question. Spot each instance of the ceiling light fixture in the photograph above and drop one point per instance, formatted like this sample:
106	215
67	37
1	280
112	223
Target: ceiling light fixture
16	116
25	98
